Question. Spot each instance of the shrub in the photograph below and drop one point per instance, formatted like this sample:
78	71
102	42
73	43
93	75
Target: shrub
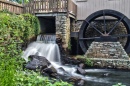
14	30
30	78
88	62
12	34
119	84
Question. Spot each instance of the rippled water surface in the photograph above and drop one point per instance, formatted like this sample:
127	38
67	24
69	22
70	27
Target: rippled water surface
106	77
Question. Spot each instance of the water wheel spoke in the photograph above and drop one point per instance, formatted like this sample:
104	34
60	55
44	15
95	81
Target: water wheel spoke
115	25
89	38
121	35
104	21
94	27
105	25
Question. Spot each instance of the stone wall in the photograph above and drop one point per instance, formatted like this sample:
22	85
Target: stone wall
77	26
108	55
107	50
111	63
63	28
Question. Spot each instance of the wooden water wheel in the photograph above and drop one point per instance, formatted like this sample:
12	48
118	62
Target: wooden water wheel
105	24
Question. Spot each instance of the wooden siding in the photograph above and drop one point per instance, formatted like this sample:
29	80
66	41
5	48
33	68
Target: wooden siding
84	9
11	7
49	6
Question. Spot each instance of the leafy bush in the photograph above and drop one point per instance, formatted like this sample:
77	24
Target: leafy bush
32	26
119	84
88	62
30	78
14	30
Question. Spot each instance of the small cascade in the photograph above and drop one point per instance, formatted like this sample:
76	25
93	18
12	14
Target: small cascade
50	51
47	38
46	46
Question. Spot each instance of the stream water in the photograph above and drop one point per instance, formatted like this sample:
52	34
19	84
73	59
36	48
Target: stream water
45	46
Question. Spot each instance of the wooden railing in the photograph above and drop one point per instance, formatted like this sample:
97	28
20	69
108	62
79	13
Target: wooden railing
46	6
11	7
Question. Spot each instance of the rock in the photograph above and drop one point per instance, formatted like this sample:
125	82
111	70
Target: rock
51	72
63	72
43	60
77	81
33	65
82	65
70	60
37	62
48	71
81	83
54	75
61	69
74	79
53	69
81	71
106	74
44	74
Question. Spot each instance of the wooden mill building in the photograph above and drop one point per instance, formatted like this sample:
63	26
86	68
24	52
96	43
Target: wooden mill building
65	16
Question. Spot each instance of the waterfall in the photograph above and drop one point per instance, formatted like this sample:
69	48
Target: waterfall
47	38
44	46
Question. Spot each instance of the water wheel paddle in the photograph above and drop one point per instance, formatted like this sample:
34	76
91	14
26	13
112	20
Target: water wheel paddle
105	23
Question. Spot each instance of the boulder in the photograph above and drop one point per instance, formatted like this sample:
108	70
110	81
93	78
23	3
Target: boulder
51	71
43	60
77	81
52	68
63	72
81	71
82	65
37	62
74	79
80	83
33	65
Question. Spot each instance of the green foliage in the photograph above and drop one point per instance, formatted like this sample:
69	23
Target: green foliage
20	1
5	11
14	30
88	62
119	84
30	78
69	45
32	26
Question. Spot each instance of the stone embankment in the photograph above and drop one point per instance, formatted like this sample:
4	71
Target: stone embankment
108	55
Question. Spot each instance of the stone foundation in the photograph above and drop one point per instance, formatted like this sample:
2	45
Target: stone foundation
77	26
63	28
108	55
107	50
111	63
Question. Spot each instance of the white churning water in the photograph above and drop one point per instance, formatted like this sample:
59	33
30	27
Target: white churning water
45	46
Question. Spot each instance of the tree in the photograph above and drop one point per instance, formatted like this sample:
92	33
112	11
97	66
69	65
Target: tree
20	1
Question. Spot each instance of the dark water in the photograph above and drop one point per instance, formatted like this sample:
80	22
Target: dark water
106	77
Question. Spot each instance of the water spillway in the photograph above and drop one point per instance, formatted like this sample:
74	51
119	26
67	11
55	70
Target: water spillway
46	46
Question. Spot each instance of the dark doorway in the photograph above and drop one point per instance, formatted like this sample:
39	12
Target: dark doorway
47	25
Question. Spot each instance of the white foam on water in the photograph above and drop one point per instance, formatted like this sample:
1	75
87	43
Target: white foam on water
50	50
